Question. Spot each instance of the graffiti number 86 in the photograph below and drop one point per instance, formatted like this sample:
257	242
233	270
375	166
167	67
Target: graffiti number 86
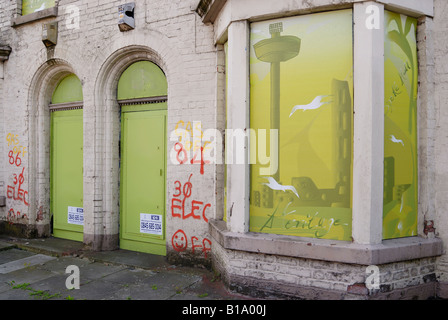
17	160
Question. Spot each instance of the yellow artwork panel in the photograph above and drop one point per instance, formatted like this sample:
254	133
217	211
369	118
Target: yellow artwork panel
301	78
400	124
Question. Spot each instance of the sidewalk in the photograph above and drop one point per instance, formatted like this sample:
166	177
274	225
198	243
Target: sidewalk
33	269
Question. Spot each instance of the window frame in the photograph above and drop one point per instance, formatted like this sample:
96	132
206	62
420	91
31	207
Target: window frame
20	19
232	26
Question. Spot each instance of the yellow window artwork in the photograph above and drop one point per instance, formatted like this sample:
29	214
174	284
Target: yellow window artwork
400	198
301	114
30	6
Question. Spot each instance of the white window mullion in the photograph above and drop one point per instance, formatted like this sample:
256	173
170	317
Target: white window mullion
368	158
238	119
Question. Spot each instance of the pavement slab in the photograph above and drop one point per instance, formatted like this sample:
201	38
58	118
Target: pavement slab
25	275
51	285
59	265
95	290
159	286
4	284
5	246
108	275
15	294
24	262
97	270
129	258
50	246
13	254
141	291
129	276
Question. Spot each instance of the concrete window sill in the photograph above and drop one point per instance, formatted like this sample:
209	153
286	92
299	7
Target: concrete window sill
388	251
32	17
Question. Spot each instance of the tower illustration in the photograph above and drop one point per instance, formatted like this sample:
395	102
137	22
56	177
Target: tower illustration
275	50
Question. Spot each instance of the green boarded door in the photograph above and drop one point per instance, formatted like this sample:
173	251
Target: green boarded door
143	181
66	160
142	94
66	174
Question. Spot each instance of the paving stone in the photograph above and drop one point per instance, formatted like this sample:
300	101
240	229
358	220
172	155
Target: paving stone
15	294
24	262
143	292
130	258
129	276
95	290
160	286
97	270
13	254
109	275
26	275
59	265
5	245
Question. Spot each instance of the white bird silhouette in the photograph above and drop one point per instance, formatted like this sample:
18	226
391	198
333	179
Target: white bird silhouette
315	104
274	185
395	140
42	7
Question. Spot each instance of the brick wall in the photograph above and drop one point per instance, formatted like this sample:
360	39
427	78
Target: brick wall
278	276
2	134
167	32
170	33
440	39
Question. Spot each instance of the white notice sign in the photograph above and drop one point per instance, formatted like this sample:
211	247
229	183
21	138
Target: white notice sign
151	223
76	215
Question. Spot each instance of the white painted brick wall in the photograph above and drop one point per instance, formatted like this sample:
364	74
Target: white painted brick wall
440	37
2	145
325	275
183	44
440	187
195	71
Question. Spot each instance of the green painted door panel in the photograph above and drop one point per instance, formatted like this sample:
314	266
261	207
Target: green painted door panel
68	90
67	174
143	167
141	80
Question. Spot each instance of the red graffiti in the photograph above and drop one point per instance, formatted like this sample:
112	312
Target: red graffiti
180	243
202	162
21	194
179	148
178	204
17	160
40	214
15	191
205	248
12	216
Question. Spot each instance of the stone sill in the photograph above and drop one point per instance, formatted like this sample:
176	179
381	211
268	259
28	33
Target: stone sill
388	251
35	16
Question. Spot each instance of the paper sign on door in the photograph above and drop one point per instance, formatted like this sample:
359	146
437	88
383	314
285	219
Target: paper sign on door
76	215
151	223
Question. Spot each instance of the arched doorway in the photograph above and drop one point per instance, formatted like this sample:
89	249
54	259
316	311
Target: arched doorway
142	96
66	159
